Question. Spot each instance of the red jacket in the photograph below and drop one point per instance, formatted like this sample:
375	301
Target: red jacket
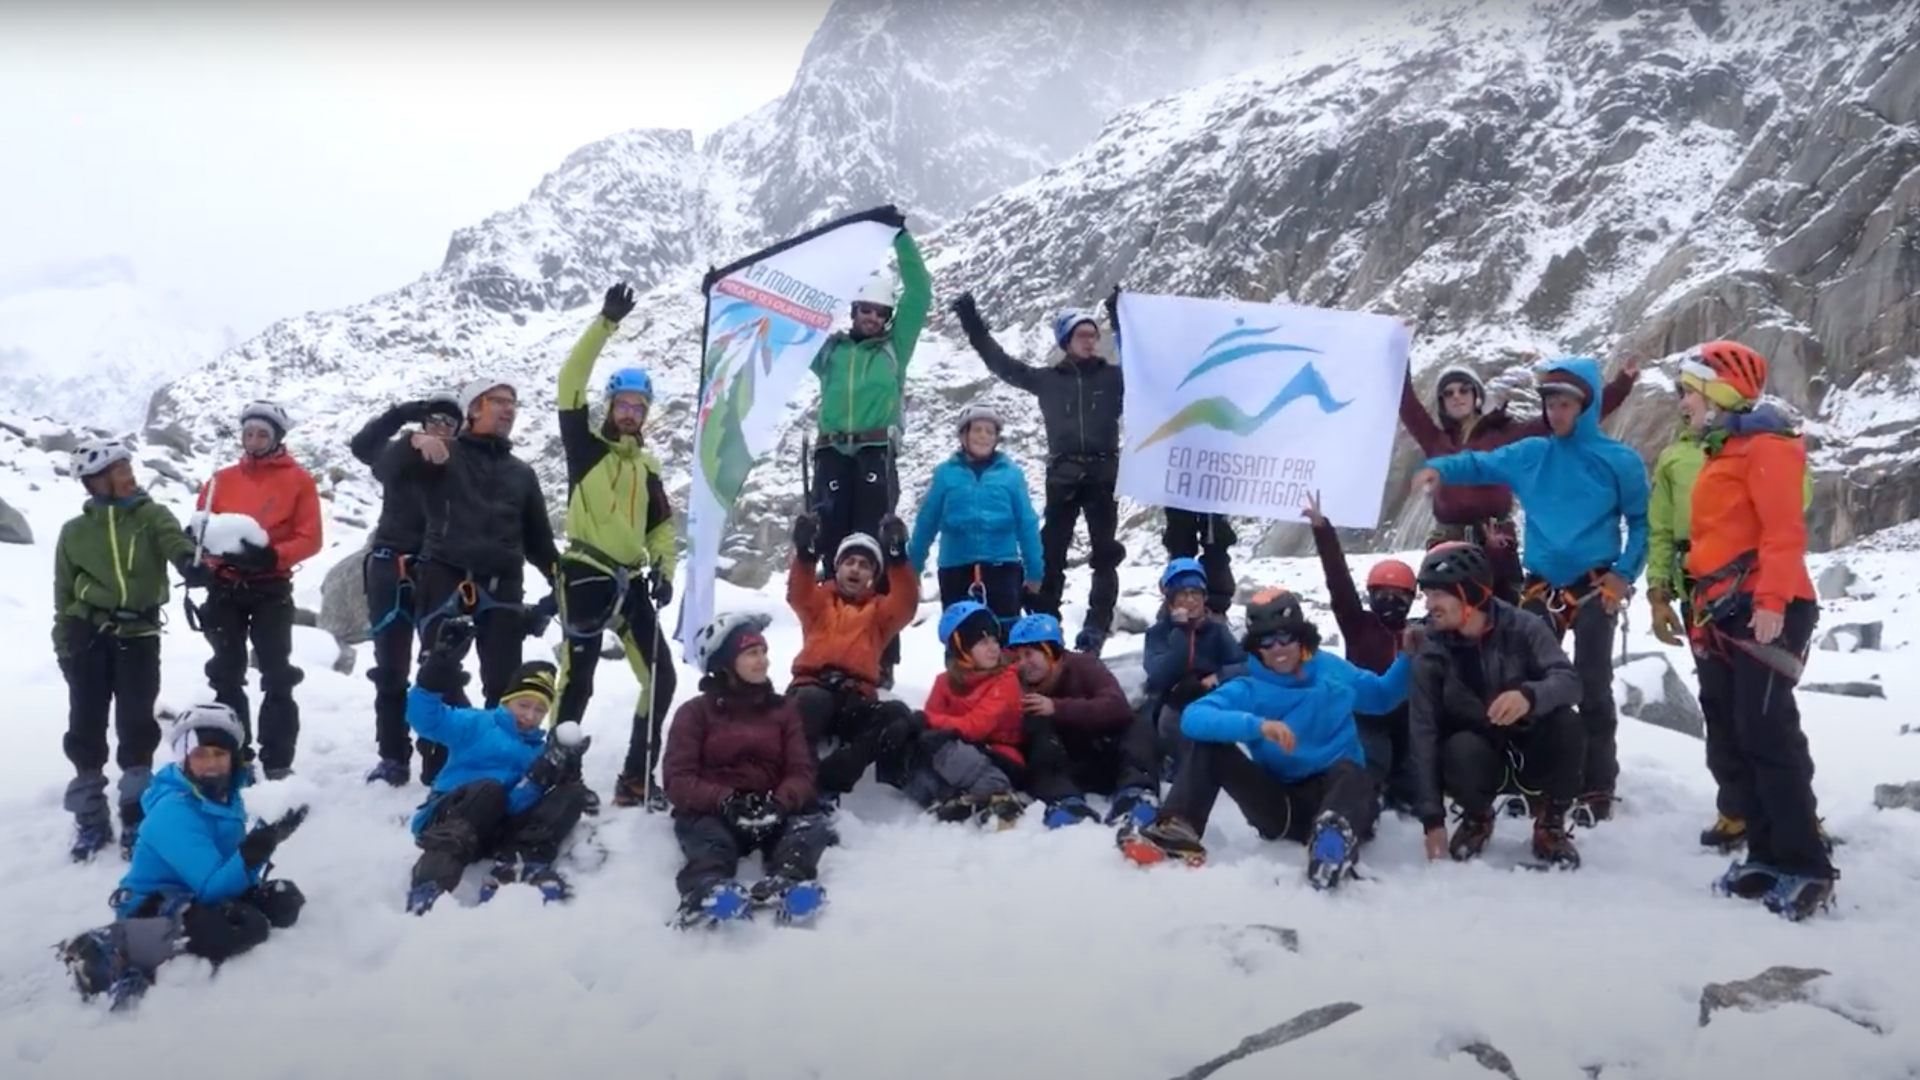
1087	699
850	637
982	707
1438	437
720	743
276	492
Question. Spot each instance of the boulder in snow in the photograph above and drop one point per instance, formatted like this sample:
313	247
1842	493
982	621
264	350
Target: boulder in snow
1852	637
1490	1058
1655	694
13	526
1129	618
1278	1035
226	534
1770	989
343	603
61	441
1846	689
1897	796
162	467
1130	669
1833	582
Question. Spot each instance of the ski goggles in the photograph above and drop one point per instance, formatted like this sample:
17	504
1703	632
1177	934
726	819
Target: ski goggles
1276	638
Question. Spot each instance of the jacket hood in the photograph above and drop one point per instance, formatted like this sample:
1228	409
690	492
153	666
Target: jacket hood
1587	370
172	779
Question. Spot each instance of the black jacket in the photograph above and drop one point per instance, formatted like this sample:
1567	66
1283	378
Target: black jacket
485	511
1079	402
1455	678
403	510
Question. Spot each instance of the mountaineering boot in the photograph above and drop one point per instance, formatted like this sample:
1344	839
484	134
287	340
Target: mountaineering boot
792	899
1166	838
1748	880
1470	837
1513	805
1725	834
421	897
280	773
720	902
1090	641
589	802
1591	809
89	838
1068	811
95	961
553	887
1001	811
1136	804
629	791
391	773
130	818
1551	844
1794	897
1332	851
505	871
952	810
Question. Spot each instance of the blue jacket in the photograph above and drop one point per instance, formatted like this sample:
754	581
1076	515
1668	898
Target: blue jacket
1573	490
1174	652
981	515
189	845
482	744
1318	703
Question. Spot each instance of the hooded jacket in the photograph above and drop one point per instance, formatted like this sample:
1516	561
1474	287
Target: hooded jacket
1575	491
486	514
1176	651
983	708
982	513
844	635
617	508
482	744
1318	702
110	566
730	740
189	846
1746	501
278	494
1670	509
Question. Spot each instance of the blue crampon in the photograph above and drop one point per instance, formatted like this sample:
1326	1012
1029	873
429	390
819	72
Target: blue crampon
1331	851
1068	811
724	902
420	898
89	840
94	960
1137	805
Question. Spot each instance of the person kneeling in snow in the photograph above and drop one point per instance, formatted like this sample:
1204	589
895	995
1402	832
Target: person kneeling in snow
1490	712
1189	650
739	775
198	882
967	757
1283	744
506	790
1102	747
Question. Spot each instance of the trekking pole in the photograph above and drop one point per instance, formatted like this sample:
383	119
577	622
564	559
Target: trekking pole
653	707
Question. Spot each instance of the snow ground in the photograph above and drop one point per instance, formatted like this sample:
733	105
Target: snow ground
954	954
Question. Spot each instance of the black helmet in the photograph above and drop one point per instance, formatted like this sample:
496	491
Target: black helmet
1277	611
1460	568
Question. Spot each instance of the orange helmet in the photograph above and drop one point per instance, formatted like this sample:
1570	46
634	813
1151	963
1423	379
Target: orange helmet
1740	368
1391	574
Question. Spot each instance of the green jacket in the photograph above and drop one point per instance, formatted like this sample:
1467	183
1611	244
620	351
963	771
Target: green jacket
1670	509
861	382
113	558
617	508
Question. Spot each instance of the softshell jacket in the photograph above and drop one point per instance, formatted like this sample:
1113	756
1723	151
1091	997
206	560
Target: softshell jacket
482	744
1087	699
1080	401
278	494
1670	509
722	742
403	511
982	514
189	847
982	707
617	508
1748	500
1575	491
861	382
1317	701
1204	647
486	514
840	634
1438	435
1456	678
113	559
1371	643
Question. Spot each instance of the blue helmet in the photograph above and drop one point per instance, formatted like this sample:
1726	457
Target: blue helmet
952	619
1037	630
1180	568
1064	323
630	380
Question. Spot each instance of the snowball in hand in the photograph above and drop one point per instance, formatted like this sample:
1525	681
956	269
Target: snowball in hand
568	734
226	534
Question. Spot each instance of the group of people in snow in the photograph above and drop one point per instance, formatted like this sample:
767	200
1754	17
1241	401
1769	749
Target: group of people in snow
1474	701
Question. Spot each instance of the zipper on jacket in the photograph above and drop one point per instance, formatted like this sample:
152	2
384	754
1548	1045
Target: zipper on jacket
1080	402
113	551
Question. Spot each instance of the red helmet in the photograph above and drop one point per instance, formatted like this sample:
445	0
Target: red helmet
1391	574
1742	369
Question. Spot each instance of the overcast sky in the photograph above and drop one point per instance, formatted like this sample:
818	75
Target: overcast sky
265	162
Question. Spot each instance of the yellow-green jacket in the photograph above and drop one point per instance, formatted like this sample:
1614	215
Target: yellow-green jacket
617	508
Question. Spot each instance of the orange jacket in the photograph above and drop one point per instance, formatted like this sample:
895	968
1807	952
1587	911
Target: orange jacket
982	707
276	492
1749	498
843	635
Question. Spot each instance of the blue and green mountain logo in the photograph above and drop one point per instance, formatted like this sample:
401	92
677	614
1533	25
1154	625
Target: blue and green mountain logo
1221	413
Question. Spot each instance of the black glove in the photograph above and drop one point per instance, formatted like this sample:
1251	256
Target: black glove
414	412
279	900
619	303
659	588
258	845
441	671
899	727
195	575
893	537
253	558
1186	692
541	615
1112	306
968	313
806	529
751	811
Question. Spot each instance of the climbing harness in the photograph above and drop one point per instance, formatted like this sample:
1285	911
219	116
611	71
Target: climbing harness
402	606
1563	605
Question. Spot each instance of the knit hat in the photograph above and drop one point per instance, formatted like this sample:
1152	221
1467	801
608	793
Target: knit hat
533	679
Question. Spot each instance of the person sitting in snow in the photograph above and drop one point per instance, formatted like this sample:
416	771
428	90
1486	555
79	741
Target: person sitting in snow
844	629
1373	635
1489	712
507	790
1103	747
1283	745
968	759
109	587
739	773
198	882
1189	650
250	602
978	508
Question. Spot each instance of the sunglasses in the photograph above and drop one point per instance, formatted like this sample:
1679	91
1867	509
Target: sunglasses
1277	639
872	309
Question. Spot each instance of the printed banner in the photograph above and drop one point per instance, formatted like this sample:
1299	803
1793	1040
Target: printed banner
1248	409
767	315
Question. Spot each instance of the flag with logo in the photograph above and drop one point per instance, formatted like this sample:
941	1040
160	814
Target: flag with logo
1249	409
767	315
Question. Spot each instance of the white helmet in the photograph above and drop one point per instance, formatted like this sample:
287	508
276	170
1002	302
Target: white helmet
860	544
878	290
205	725
476	390
711	644
979	412
95	456
268	412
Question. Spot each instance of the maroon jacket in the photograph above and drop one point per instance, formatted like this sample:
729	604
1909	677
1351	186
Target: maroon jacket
1438	436
723	742
1370	644
1087	699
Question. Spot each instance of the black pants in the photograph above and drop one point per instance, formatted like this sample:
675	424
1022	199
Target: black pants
471	823
1385	739
851	493
1275	810
858	728
591	601
1769	771
1002	587
1082	484
109	673
386	576
1538	758
499	632
1723	749
713	849
1592	627
259	613
214	932
1209	538
1092	764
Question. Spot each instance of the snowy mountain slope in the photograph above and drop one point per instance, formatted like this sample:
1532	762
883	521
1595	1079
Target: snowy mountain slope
1598	971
